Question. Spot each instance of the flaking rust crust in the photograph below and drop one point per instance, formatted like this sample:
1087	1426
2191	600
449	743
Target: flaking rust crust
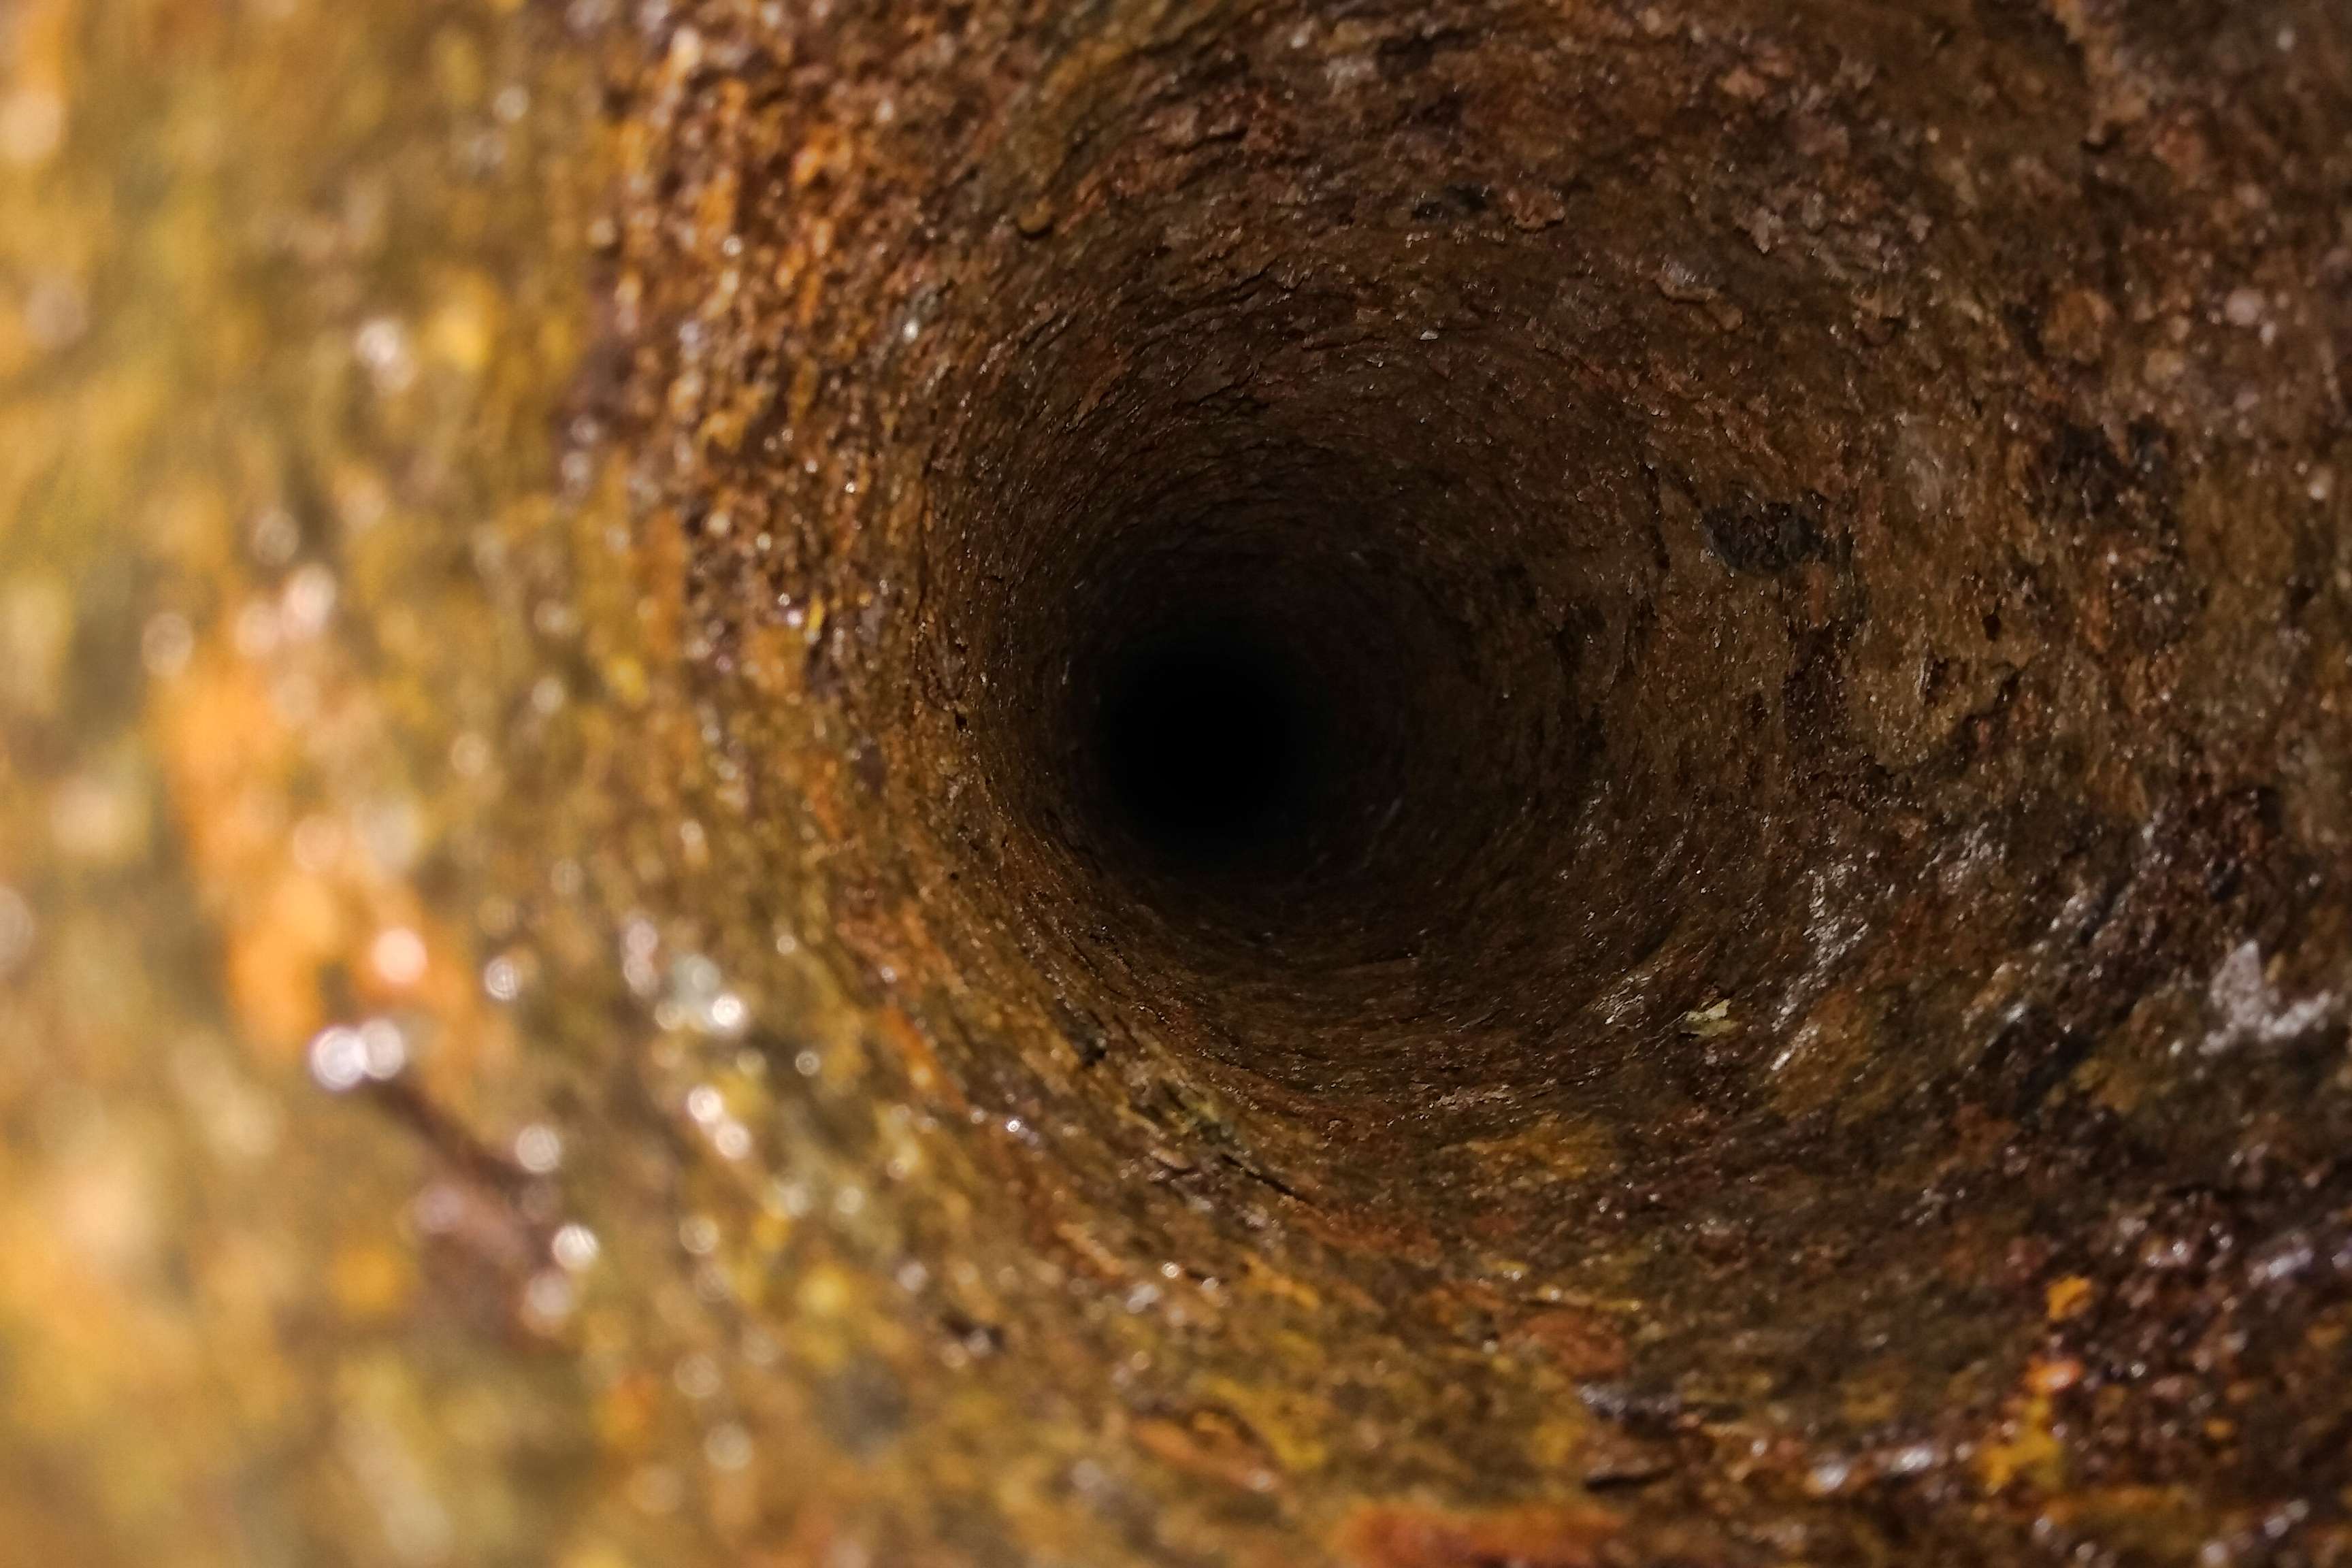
557	1003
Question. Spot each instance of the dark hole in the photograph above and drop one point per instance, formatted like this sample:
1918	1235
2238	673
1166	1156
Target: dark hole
1214	748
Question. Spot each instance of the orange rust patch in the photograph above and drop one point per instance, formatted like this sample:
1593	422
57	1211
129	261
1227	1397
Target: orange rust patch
2068	1298
1407	1535
1210	1443
923	1070
1581	1344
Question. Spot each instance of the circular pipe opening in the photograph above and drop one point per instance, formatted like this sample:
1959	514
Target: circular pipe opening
1219	749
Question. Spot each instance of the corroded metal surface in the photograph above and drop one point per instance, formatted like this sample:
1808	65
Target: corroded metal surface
563	1003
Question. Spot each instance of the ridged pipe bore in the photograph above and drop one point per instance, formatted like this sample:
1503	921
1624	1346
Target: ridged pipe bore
1652	696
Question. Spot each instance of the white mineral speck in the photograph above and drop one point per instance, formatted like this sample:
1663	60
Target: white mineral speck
538	1148
384	1050
307	602
2249	1010
382	348
338	1059
398	956
501	979
574	1247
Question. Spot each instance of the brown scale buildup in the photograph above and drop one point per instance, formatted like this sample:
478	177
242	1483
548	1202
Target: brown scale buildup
1766	939
1408	784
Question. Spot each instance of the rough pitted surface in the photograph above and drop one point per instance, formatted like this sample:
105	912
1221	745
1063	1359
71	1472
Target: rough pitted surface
1810	1022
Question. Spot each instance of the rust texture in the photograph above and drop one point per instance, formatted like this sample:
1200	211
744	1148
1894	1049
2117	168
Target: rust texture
572	989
